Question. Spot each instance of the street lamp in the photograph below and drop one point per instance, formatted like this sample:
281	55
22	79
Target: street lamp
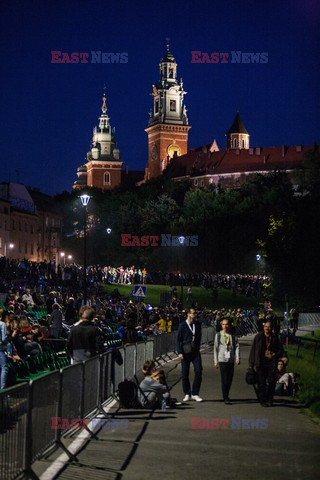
258	258
10	246
108	230
63	255
85	200
181	241
69	257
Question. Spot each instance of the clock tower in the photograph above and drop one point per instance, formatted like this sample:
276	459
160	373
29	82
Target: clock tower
168	124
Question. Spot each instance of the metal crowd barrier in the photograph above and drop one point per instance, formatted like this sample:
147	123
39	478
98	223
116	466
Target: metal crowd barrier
29	412
306	319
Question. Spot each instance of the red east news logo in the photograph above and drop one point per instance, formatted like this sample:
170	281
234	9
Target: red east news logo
167	240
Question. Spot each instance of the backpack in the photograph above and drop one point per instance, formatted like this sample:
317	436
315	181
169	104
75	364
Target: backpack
128	394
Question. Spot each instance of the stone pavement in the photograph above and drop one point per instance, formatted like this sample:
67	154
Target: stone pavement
165	446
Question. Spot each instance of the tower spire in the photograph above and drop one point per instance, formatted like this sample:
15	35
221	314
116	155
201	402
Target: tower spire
238	136
168	44
104	98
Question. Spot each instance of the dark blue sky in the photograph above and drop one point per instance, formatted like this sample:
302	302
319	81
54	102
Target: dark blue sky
48	110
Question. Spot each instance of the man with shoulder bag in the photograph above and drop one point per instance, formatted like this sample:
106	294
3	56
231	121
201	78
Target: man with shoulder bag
188	348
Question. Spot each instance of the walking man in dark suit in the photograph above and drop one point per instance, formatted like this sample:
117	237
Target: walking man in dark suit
188	348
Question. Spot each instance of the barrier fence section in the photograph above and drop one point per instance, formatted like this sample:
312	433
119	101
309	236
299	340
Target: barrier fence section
307	348
28	411
309	319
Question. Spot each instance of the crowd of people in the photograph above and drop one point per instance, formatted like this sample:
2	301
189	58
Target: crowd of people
43	302
47	276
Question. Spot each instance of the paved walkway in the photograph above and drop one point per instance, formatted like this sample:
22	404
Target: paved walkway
165	445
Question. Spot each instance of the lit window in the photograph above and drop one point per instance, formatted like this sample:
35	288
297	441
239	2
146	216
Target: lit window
242	143
157	107
106	178
235	142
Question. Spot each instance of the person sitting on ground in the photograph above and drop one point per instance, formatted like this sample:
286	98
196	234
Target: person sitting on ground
285	381
152	391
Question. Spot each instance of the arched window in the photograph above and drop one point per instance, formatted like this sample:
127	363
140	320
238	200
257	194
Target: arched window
235	143
106	178
242	143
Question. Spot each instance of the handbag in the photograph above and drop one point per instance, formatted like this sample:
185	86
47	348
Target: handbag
251	376
188	348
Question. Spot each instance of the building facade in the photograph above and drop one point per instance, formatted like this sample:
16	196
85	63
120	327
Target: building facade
30	227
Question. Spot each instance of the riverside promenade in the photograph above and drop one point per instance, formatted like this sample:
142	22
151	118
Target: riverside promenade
164	445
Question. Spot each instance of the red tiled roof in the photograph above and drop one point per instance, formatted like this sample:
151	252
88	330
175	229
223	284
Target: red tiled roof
203	162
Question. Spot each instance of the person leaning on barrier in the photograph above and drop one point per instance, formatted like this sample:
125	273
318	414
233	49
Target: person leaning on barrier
85	339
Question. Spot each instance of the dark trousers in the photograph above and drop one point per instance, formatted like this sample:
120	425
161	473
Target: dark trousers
226	372
185	367
266	382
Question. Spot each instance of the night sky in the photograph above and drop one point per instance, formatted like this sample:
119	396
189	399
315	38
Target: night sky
48	110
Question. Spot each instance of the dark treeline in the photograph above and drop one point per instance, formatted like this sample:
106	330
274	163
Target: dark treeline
267	215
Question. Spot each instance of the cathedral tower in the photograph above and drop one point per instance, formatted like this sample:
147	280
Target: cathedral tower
103	165
168	124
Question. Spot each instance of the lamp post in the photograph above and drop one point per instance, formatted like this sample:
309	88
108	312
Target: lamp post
10	246
69	258
258	258
85	200
108	230
181	241
63	255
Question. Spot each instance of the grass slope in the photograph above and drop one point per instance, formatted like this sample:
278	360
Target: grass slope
309	370
199	294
